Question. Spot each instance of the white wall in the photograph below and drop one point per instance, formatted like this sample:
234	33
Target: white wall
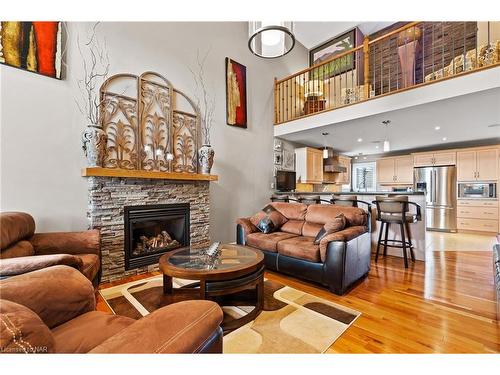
41	154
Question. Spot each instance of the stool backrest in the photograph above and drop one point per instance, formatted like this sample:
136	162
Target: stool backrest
280	198
345	200
396	204
309	199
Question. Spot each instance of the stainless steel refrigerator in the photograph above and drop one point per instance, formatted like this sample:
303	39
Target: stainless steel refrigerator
440	187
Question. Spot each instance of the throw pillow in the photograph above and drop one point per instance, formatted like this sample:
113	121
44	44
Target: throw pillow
268	219
336	225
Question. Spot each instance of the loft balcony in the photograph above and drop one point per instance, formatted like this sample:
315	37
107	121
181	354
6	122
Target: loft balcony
420	61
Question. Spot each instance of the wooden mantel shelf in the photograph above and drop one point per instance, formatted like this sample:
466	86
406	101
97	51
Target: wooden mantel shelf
125	173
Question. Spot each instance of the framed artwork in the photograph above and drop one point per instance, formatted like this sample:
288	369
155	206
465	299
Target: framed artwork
32	46
278	158
288	160
331	48
236	94
278	144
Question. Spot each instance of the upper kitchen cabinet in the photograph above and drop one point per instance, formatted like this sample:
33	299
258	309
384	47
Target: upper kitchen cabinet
309	165
344	178
434	159
395	170
477	165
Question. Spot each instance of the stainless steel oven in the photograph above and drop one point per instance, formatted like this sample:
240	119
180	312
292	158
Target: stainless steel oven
484	190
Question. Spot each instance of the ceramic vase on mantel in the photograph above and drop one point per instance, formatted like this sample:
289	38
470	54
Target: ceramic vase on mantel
206	158
94	144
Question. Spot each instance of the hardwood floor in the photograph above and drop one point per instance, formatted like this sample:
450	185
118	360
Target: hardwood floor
445	305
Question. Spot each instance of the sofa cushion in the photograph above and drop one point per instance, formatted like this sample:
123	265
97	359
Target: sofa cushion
292	211
293	226
90	265
311	229
20	265
268	219
19	249
22	331
85	332
300	247
344	235
335	225
15	226
323	213
269	241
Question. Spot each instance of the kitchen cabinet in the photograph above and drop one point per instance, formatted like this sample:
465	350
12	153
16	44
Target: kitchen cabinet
395	170
477	215
434	159
477	165
309	165
344	178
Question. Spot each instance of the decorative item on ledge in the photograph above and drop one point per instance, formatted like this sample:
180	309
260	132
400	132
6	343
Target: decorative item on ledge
93	144
155	175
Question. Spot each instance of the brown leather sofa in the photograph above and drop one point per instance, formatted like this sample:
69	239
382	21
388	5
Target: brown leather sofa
53	311
340	259
22	250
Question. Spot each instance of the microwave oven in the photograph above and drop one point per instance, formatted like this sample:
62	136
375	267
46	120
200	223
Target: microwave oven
484	190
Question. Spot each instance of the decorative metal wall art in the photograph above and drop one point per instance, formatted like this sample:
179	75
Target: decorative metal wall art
148	132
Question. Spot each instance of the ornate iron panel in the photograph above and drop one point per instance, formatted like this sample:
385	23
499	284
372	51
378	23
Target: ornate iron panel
184	142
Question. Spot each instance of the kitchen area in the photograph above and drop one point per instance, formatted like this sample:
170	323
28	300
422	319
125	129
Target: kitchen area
456	190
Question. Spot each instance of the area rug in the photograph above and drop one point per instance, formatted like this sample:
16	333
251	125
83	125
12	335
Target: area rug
291	321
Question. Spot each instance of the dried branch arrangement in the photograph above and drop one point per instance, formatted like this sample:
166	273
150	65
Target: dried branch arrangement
95	60
204	101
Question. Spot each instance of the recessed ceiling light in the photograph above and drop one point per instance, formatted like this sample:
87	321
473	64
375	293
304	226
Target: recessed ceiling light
437	127
360	139
444	138
356	158
377	146
364	158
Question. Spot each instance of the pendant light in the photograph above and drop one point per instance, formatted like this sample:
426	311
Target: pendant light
325	149
270	40
387	144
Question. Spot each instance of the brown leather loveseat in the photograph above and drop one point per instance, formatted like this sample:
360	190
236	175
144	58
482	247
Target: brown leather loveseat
22	250
338	261
52	310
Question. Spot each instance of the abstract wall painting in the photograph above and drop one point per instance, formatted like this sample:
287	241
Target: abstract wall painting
32	46
236	94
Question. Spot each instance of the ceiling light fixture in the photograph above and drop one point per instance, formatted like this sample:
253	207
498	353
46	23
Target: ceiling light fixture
325	149
270	40
360	139
437	127
387	145
445	139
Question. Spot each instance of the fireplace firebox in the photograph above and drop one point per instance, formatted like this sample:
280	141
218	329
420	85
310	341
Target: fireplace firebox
153	230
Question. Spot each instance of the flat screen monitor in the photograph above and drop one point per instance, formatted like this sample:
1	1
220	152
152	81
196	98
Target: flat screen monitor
285	180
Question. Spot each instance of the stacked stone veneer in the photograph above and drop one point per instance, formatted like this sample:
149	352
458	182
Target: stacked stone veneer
109	196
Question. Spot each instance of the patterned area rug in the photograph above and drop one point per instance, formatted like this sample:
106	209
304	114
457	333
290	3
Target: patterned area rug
291	321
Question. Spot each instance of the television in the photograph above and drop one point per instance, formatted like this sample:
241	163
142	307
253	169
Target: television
285	180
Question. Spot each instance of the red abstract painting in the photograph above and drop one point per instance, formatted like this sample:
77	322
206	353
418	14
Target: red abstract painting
32	46
236	94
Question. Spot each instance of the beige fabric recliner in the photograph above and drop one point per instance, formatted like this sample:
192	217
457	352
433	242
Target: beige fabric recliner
52	310
22	250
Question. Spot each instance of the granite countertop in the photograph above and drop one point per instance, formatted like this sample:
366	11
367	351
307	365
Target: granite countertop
350	193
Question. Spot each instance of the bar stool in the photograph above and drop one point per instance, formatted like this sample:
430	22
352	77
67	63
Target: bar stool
395	210
345	200
309	199
280	198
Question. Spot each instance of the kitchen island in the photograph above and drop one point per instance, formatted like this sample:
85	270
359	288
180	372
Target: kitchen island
417	229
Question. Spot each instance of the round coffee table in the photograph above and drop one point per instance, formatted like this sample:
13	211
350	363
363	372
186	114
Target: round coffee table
235	269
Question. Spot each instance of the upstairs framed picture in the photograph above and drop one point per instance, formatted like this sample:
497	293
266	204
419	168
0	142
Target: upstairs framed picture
330	49
32	46
236	94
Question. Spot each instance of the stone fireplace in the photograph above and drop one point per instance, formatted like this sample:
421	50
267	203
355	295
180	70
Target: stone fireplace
145	208
153	230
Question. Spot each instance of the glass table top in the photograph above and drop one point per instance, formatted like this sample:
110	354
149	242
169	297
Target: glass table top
230	256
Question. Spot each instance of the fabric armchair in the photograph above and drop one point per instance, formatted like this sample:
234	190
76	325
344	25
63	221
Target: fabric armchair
52	310
22	250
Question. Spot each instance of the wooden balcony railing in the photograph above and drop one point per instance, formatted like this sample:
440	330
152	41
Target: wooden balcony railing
416	54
